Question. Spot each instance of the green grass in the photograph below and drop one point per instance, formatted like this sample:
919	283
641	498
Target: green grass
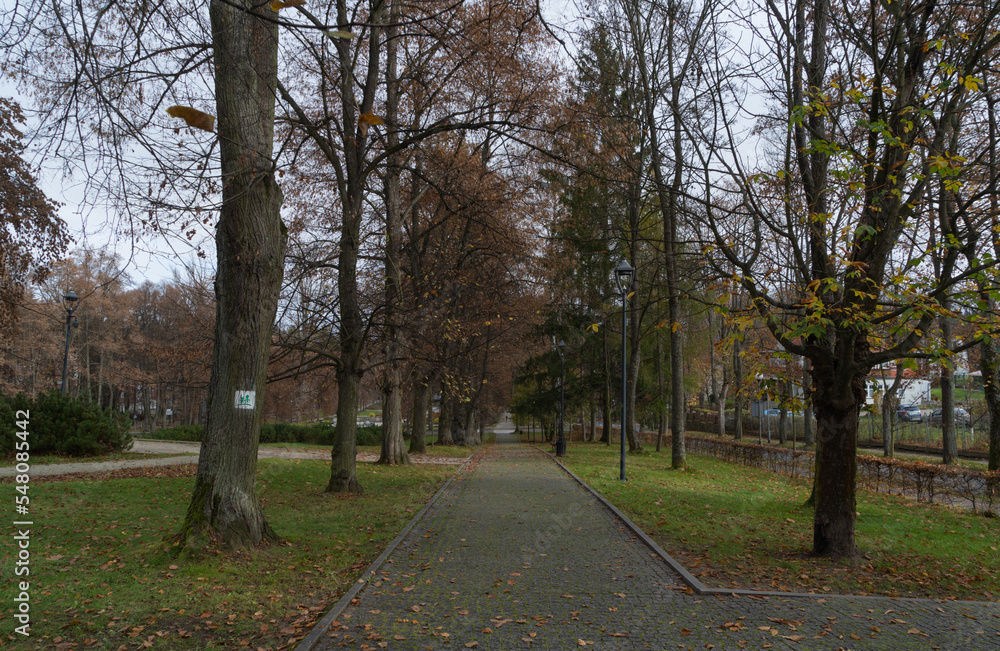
961	393
102	567
447	451
734	526
43	459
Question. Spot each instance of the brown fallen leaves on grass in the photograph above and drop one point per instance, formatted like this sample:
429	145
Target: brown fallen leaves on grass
905	578
148	472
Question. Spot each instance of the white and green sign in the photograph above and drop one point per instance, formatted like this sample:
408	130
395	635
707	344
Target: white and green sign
246	399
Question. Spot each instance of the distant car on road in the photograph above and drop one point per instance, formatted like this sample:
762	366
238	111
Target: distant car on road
910	414
962	418
777	412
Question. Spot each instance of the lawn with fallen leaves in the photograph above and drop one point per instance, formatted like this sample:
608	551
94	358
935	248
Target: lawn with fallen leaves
739	527
104	574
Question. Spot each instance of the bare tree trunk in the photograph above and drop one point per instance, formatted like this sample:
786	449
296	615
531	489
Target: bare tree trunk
444	421
393	446
783	412
100	381
890	400
606	393
738	400
250	245
807	412
721	402
949	441
989	358
418	420
989	365
834	495
460	414
661	425
472	428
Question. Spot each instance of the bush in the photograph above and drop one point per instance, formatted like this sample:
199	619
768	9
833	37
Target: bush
63	425
181	433
316	433
369	435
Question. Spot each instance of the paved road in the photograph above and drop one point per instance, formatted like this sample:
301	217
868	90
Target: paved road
514	554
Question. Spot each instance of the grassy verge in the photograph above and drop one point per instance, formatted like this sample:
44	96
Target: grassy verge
446	451
44	459
734	526
103	575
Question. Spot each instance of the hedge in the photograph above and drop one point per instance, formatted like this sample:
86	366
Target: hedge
62	425
318	433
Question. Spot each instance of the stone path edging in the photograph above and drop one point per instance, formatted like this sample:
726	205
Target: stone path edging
699	588
320	627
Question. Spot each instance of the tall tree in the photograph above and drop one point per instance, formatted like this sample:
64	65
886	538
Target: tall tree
33	233
250	245
872	94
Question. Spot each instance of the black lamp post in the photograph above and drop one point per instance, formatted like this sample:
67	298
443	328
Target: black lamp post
624	273
70	298
561	441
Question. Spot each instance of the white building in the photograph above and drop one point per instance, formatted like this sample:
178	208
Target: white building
912	391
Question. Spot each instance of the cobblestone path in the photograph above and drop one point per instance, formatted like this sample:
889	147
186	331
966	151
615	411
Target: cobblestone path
515	555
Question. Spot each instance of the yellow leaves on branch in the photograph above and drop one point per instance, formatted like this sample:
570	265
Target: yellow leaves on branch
368	119
193	117
285	4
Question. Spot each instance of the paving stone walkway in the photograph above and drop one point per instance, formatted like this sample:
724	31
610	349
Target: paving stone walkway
515	555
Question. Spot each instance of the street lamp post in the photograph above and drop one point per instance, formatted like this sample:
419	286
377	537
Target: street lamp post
624	273
561	441
70	299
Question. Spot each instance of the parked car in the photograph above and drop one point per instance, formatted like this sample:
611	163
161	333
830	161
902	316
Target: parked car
962	418
777	412
910	414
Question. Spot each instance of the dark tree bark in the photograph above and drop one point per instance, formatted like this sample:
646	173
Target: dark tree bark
606	393
661	420
590	437
393	446
418	419
807	412
989	356
837	405
738	398
459	422
949	440
444	420
989	365
250	242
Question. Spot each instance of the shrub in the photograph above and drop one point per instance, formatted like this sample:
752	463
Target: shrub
369	435
63	425
181	433
315	433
